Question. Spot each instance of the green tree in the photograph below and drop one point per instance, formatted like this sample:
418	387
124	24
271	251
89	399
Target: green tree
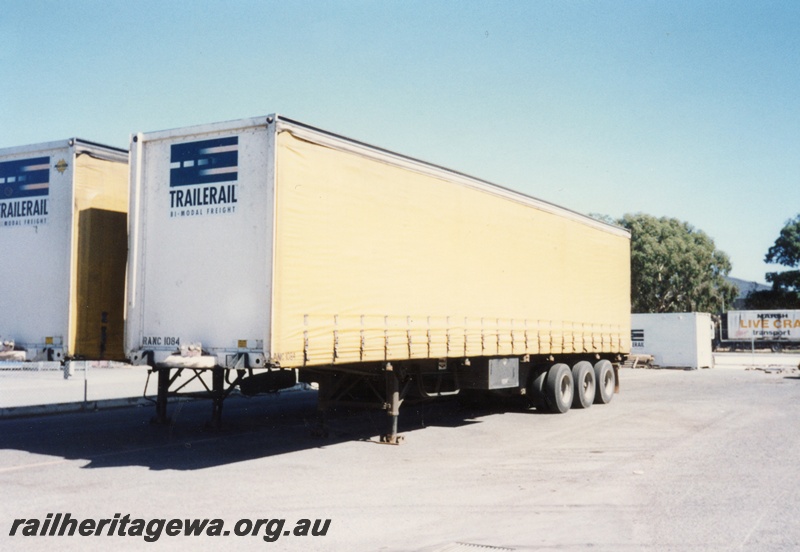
785	292
772	299
675	267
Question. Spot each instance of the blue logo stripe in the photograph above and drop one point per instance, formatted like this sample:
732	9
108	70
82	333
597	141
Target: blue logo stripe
25	178
204	162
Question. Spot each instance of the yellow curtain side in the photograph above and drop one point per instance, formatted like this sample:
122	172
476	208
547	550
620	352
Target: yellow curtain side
374	262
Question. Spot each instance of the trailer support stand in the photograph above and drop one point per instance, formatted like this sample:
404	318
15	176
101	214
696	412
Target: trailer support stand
161	396
218	395
323	396
392	406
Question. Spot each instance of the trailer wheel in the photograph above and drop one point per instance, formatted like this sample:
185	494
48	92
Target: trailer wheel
584	383
605	382
536	390
558	388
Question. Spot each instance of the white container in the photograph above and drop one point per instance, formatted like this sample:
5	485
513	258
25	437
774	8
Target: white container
63	208
675	340
296	247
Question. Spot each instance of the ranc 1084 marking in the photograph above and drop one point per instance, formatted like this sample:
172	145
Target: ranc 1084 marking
160	341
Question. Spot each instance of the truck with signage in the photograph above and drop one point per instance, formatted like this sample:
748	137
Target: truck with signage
775	329
63	237
265	251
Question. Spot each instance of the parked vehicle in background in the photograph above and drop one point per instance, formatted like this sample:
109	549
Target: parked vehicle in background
774	329
63	234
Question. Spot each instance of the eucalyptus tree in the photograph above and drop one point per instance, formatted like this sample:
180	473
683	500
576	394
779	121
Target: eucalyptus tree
785	292
676	267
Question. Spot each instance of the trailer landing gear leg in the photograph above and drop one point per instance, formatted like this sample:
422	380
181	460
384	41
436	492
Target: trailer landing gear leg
320	429
320	426
218	396
161	396
392	406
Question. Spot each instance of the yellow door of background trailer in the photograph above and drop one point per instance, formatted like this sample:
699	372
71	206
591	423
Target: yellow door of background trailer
102	255
100	252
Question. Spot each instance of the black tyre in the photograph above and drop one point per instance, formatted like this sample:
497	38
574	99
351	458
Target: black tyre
605	382
535	390
584	384
558	388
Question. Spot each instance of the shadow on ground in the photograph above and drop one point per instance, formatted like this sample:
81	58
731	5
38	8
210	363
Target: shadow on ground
252	428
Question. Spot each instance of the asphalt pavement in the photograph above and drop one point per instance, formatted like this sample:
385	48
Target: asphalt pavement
85	386
702	460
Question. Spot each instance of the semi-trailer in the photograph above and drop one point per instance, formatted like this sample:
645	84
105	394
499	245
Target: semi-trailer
63	237
774	329
266	252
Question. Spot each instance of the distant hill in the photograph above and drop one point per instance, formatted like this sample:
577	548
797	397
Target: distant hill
745	287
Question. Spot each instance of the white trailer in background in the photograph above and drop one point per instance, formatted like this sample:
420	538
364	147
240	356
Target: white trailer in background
265	250
674	340
775	329
63	237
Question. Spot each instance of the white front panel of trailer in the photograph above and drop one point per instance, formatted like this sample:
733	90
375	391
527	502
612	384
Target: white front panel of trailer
201	242
35	237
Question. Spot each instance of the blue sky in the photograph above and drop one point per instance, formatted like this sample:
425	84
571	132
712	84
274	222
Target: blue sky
681	109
